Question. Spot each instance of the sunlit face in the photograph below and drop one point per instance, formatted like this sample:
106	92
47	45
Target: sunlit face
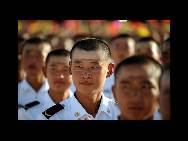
122	48
89	71
58	74
164	99
34	58
136	91
149	49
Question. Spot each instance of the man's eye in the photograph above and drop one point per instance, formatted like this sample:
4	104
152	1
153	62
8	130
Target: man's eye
65	70
126	86
79	67
94	67
146	86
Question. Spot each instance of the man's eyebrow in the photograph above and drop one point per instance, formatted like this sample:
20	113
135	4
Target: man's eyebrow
87	60
94	62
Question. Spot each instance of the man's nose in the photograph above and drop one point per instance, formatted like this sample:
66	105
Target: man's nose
86	75
136	91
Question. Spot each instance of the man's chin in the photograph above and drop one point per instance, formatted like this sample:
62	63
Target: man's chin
33	73
134	117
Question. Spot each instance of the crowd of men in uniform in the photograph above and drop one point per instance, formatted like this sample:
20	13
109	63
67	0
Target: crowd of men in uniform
122	79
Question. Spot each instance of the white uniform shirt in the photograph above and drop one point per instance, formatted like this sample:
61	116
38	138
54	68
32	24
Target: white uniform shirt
45	103
27	94
157	115
72	88
22	115
108	87
73	110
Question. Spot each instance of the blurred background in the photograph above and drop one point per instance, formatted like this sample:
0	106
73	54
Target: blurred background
74	29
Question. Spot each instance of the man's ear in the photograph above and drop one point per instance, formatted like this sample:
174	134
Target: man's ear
70	64
110	69
44	70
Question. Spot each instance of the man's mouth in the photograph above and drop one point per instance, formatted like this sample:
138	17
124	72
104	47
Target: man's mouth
86	83
59	82
135	108
32	67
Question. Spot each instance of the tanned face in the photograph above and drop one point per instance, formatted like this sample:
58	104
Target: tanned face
136	90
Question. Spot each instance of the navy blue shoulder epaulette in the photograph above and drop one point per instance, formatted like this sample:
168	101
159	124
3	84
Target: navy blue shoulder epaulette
31	104
52	110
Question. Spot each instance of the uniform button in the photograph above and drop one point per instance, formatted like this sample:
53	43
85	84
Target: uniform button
76	114
108	110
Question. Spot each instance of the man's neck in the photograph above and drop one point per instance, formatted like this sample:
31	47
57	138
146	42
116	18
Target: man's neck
36	83
59	96
90	103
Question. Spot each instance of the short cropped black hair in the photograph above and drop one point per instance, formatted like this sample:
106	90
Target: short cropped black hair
57	52
124	35
78	37
146	39
92	44
138	60
35	40
149	39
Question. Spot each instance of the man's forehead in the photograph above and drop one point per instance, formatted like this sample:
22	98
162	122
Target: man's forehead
33	47
131	73
58	63
135	71
87	55
59	59
136	77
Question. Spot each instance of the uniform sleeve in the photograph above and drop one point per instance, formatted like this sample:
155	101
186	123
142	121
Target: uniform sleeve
22	115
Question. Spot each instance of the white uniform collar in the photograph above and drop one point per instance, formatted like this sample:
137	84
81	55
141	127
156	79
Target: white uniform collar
104	105
80	112
27	86
48	100
157	115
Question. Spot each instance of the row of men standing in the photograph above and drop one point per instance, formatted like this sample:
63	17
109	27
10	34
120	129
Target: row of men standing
36	94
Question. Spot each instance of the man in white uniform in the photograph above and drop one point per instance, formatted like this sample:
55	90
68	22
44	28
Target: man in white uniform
149	47
90	65
59	79
32	88
122	46
136	88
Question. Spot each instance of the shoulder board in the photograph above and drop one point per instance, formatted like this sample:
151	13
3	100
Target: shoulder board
31	104
52	110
